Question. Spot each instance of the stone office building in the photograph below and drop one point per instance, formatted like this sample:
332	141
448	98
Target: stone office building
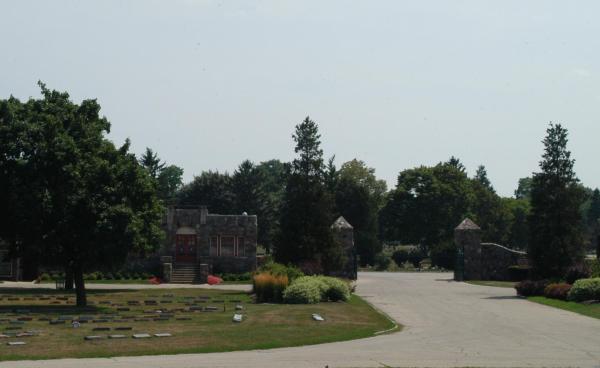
198	242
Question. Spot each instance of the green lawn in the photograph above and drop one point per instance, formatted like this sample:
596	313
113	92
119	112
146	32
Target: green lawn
592	310
118	282
504	284
265	326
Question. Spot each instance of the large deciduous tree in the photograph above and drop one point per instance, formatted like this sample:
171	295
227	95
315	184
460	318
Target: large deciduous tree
306	213
427	205
358	197
555	221
212	189
89	204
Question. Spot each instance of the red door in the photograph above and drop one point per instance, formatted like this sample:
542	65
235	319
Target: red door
185	248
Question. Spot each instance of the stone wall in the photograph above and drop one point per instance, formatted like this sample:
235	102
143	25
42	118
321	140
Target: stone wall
496	260
482	261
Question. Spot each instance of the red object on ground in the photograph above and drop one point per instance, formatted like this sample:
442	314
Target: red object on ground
214	280
155	280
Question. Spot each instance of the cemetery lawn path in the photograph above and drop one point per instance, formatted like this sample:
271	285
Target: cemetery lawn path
446	324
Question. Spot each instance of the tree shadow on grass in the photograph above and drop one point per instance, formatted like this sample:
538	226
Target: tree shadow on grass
7	292
51	309
503	297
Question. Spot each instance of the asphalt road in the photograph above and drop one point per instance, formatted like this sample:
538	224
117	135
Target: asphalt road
447	324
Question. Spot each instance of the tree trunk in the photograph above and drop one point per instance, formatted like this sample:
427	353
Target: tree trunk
79	286
598	247
68	278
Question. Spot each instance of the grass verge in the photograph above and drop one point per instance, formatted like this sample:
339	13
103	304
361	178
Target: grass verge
592	310
504	284
265	326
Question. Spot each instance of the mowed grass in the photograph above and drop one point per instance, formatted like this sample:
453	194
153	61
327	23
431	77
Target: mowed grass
504	284
265	326
591	310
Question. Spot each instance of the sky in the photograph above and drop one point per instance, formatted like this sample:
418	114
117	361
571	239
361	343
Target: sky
397	84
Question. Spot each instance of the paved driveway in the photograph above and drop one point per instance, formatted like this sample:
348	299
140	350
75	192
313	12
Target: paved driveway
447	324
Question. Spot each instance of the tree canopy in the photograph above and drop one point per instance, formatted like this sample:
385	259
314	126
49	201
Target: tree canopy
88	203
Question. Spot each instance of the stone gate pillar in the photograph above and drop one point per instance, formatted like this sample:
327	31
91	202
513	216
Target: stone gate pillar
467	238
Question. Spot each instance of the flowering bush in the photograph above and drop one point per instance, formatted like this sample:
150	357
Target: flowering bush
531	288
557	291
213	280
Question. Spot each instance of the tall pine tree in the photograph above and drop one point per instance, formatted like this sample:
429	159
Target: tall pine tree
556	240
306	213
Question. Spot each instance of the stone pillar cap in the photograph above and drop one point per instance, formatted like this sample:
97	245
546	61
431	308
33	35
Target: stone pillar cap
467	224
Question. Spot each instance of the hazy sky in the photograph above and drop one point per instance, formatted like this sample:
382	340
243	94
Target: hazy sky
397	84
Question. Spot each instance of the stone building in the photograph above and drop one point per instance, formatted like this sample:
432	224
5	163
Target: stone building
344	234
198	242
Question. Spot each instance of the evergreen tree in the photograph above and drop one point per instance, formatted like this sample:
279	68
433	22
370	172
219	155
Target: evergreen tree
306	213
555	221
593	213
250	197
593	219
151	162
482	178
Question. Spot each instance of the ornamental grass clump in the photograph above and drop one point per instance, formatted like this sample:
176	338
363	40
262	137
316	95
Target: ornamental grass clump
585	289
268	287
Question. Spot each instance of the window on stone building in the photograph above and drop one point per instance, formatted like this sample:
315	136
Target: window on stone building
227	246
214	246
241	249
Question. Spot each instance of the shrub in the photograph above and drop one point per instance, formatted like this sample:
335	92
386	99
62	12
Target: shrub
45	277
236	276
444	255
337	290
531	288
594	266
118	276
578	271
269	287
557	291
382	262
109	276
278	269
415	257
329	288
585	289
400	257
518	273
302	293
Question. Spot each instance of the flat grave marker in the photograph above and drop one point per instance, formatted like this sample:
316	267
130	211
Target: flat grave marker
93	337
141	336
